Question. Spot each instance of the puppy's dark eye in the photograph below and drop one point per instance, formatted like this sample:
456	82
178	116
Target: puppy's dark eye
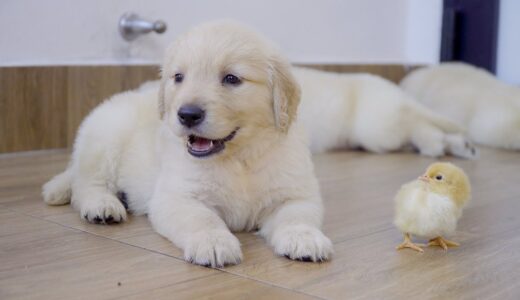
178	78
438	177
231	79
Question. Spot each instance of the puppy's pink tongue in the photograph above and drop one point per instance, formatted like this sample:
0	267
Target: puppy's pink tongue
201	144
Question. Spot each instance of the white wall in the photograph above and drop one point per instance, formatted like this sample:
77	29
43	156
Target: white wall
424	31
61	32
508	63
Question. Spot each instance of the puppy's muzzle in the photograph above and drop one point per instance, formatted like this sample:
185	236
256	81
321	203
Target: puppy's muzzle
190	115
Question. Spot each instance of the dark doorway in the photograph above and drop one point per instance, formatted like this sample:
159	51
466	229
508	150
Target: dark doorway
470	31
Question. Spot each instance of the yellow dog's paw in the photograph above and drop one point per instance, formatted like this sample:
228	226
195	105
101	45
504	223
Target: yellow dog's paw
213	248
302	242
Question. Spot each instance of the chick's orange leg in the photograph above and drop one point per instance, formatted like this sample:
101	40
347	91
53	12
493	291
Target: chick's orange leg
443	243
407	243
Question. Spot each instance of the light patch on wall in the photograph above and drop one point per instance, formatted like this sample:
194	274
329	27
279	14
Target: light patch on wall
508	64
424	28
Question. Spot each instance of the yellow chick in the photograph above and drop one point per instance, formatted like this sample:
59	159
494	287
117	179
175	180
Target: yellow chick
430	206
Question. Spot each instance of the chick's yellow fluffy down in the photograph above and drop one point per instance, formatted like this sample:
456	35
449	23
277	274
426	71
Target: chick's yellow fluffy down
431	205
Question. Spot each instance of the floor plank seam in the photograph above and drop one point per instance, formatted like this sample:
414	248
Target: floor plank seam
273	285
95	234
166	286
363	235
167	255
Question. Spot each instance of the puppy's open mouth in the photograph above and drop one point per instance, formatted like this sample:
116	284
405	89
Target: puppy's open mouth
201	147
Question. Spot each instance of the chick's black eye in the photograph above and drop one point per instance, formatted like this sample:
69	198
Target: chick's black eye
438	177
231	79
178	77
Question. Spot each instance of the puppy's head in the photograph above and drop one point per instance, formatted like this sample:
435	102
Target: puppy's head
224	88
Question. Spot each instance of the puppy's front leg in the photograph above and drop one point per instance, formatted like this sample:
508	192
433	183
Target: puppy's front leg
193	227
293	230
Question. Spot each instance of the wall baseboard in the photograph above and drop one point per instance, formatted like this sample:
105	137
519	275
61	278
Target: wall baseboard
42	107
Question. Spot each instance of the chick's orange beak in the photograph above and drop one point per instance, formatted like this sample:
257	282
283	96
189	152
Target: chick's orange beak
424	178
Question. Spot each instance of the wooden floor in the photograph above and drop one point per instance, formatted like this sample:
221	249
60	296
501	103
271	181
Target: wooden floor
49	253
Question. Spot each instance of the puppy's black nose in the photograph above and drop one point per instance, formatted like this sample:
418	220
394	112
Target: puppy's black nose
190	115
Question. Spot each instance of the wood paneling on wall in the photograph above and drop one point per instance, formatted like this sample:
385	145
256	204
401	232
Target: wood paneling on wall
42	107
87	87
32	102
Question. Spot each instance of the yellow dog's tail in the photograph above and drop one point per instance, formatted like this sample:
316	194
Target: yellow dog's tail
57	191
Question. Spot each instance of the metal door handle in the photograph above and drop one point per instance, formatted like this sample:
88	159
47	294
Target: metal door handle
132	26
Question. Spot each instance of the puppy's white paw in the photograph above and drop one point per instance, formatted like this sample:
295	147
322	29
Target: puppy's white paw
460	146
213	248
302	242
103	209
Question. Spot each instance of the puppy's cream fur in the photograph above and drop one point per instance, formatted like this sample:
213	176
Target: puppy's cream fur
367	111
488	108
263	179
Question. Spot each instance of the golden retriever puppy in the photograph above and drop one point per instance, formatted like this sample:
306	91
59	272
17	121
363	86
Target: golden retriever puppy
369	112
219	151
488	108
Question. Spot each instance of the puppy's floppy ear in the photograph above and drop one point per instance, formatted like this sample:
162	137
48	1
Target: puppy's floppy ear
161	104
286	93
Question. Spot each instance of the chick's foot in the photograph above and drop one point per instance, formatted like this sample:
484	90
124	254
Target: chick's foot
407	243
443	243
